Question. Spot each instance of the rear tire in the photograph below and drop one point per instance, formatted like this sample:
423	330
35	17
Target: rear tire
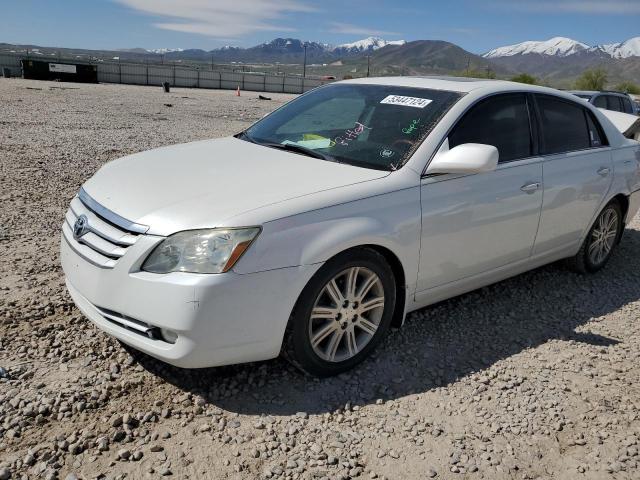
342	314
600	242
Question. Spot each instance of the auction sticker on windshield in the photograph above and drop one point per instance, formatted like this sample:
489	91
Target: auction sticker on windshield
406	101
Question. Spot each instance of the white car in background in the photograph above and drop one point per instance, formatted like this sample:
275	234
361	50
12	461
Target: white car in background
326	222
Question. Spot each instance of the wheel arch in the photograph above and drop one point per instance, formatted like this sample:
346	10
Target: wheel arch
401	283
399	275
623	201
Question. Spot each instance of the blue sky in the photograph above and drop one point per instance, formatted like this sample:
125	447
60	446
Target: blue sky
476	25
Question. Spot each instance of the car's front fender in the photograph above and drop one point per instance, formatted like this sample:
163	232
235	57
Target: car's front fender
390	220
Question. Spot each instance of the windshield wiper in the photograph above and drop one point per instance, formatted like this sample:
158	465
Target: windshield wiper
243	135
291	147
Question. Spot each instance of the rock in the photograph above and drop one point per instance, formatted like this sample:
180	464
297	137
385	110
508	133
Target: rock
103	444
116	421
5	474
124	454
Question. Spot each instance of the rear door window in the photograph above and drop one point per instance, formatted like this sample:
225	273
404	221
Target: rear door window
501	121
564	125
600	101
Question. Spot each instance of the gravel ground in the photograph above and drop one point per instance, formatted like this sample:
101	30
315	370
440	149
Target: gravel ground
532	378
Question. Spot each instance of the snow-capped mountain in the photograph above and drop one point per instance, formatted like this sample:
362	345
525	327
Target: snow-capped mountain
557	46
365	45
629	48
565	47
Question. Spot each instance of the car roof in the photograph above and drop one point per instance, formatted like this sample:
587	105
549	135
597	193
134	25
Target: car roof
582	92
454	84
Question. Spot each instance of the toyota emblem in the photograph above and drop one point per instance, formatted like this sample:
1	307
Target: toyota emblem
80	227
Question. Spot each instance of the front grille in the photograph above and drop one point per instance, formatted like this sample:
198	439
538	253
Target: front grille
107	237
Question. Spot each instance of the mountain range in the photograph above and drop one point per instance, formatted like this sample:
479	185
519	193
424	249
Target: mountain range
281	50
557	61
564	47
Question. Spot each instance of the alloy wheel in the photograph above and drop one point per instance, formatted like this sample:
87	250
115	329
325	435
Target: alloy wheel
346	314
603	236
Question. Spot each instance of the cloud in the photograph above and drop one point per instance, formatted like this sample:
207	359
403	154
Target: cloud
222	19
606	7
349	29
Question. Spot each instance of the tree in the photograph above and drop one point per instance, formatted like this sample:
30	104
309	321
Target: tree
525	78
628	87
595	79
488	73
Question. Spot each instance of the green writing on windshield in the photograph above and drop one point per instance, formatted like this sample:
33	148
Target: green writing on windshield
412	127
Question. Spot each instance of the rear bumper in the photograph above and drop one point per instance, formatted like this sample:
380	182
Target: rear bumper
218	319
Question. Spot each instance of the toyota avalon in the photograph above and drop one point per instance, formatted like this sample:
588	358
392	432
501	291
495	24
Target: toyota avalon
321	226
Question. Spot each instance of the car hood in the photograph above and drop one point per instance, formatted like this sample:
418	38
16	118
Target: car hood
204	184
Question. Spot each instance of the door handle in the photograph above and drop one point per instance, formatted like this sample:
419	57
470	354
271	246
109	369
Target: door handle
530	187
604	171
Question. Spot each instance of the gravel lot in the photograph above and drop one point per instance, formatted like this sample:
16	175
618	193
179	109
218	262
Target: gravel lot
533	378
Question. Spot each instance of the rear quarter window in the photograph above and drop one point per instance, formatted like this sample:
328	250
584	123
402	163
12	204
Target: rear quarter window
596	134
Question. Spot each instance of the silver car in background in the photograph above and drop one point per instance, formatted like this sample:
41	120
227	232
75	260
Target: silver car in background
609	100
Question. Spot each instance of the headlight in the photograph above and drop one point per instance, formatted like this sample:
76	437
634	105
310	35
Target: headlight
200	251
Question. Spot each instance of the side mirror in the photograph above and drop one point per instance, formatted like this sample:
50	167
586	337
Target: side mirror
466	158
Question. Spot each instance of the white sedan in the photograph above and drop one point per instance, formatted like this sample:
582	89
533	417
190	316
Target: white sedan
321	226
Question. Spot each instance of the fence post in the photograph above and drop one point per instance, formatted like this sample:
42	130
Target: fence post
284	77
147	74
198	78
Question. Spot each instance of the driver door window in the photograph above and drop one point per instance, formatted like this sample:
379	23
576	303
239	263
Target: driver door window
501	121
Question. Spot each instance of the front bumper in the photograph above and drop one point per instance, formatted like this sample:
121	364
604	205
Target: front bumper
219	319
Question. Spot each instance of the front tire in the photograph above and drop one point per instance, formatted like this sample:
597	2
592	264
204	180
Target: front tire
342	314
598	246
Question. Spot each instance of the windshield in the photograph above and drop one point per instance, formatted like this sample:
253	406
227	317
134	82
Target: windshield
372	126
